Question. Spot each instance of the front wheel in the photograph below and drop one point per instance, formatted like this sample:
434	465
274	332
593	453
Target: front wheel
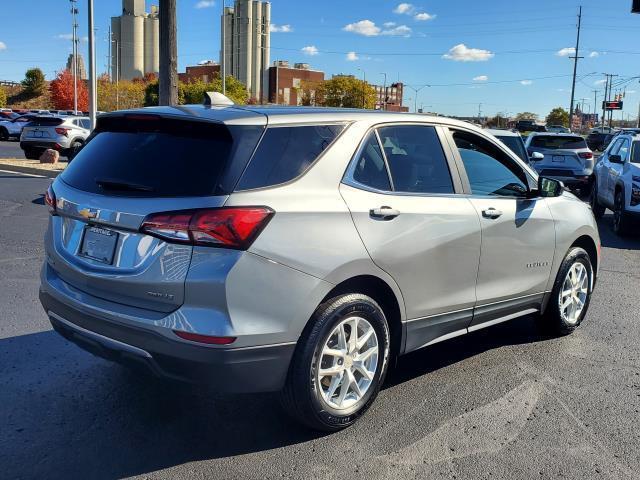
571	294
598	210
340	363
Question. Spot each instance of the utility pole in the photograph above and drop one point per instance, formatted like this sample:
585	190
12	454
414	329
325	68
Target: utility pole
93	90
223	67
364	85
168	80
595	105
384	92
479	112
638	122
74	50
575	67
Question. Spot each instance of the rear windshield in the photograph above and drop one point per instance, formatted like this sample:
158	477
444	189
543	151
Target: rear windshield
515	144
160	157
285	153
46	122
556	142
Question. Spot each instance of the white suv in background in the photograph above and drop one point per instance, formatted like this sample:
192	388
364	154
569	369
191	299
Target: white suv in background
616	182
64	134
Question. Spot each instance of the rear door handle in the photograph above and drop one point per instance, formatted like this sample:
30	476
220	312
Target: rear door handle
385	213
491	213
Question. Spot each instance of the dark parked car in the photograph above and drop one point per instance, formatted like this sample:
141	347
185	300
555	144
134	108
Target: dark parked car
529	126
599	138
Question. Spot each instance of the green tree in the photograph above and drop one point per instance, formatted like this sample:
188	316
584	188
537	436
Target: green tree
558	116
526	116
3	97
193	92
499	121
347	91
33	82
122	95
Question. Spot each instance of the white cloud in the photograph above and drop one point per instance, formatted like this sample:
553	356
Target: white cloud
399	31
352	56
600	82
565	52
205	4
3	46
480	78
404	9
423	17
594	55
525	82
628	92
310	50
370	29
462	53
65	36
280	28
363	27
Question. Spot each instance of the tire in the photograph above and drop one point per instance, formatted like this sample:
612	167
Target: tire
558	319
620	218
596	207
32	154
4	135
306	394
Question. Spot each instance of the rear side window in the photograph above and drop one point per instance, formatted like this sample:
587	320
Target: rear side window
416	160
370	168
558	142
160	157
285	153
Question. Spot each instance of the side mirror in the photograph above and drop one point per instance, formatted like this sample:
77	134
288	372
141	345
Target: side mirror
536	156
615	159
548	187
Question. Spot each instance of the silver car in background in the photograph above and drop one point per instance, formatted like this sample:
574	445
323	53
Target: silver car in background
302	250
66	134
566	158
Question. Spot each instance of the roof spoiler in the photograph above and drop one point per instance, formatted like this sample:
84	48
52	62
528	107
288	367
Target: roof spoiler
217	99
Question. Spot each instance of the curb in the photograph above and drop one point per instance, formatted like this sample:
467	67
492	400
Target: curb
31	170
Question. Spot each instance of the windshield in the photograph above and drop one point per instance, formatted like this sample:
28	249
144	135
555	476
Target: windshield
515	144
557	142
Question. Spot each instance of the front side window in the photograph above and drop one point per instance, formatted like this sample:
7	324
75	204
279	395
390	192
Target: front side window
416	160
285	153
635	153
370	168
623	151
490	171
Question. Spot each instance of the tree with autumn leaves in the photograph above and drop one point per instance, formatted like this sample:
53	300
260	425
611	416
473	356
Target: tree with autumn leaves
61	90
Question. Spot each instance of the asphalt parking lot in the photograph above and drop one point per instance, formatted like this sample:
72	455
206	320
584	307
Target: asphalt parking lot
11	150
500	403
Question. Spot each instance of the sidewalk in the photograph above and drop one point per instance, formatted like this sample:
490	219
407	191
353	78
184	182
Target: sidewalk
33	167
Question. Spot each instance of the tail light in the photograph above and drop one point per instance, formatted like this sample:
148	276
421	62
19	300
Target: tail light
50	199
208	339
229	227
586	155
62	131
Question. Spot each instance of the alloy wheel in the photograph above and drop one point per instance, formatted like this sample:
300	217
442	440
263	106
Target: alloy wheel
348	363
573	294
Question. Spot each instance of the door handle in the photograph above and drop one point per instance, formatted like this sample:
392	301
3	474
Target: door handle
491	213
385	213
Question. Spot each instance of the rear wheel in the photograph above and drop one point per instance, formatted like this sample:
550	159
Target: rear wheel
570	296
340	363
4	134
598	210
620	218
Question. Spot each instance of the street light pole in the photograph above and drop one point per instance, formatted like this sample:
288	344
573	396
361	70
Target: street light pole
384	92
364	84
224	50
416	90
74	50
93	98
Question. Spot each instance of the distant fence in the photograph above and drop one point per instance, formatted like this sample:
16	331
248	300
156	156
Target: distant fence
9	83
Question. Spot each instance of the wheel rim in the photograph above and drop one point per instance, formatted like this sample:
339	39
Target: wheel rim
348	363
573	295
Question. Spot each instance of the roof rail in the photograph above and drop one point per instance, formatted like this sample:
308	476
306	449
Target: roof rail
217	99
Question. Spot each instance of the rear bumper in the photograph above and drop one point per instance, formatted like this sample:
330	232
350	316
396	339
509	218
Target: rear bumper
43	144
229	370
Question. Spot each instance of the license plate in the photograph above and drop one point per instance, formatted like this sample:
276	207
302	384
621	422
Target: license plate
99	244
37	134
557	159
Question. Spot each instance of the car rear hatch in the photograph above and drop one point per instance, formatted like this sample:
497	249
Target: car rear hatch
135	166
41	128
560	152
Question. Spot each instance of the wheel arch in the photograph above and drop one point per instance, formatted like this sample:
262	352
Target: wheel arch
589	245
384	295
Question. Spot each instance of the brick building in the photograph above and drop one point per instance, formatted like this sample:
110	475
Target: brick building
393	94
205	72
286	80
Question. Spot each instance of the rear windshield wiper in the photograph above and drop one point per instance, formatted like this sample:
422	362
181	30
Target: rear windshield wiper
120	185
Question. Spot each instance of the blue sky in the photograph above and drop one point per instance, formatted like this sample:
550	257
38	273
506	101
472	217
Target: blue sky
506	54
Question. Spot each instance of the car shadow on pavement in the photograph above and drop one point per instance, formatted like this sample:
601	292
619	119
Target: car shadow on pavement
609	239
67	414
421	362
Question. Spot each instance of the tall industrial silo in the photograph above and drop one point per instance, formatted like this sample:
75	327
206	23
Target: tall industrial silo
152	42
132	50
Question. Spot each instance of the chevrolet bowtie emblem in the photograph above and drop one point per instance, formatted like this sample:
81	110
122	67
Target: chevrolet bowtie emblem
87	213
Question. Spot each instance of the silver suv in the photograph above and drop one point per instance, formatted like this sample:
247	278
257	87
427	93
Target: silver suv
302	250
64	134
